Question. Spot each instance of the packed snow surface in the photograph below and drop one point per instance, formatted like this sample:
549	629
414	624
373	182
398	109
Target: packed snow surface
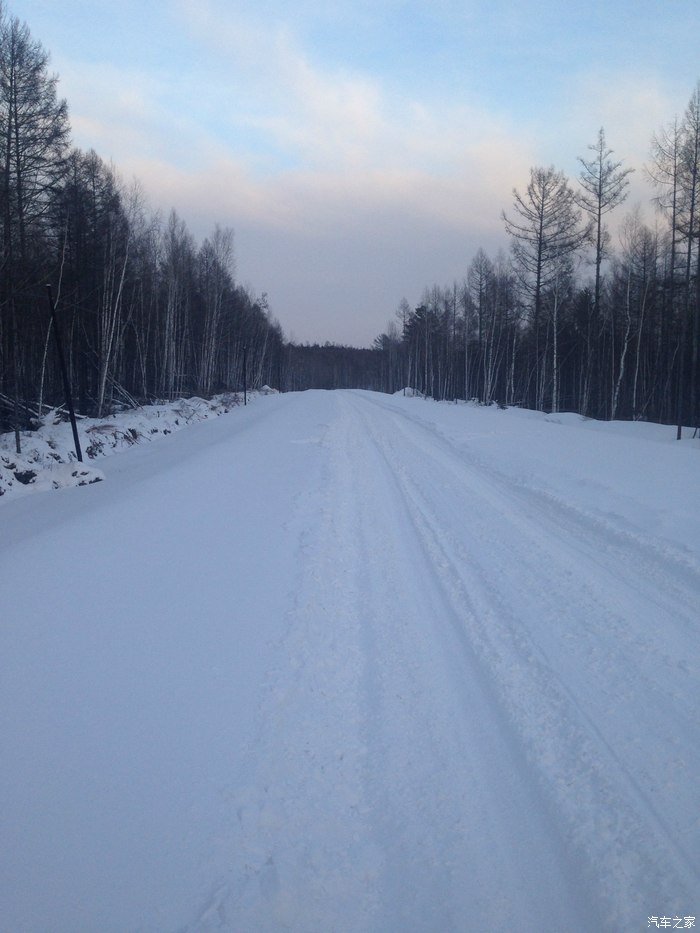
339	661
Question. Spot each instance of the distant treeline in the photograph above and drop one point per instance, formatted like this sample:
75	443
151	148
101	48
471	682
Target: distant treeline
332	366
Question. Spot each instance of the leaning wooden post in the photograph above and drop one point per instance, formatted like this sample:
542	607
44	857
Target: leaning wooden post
64	374
245	376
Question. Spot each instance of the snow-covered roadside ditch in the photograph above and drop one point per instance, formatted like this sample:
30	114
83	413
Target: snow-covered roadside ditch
48	459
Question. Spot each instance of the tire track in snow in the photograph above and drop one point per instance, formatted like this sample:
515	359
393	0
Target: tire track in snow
474	846
385	790
599	563
441	747
636	853
662	565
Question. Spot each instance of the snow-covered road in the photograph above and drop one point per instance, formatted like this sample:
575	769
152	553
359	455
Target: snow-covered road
346	662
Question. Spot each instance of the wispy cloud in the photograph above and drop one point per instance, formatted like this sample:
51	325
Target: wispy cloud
377	136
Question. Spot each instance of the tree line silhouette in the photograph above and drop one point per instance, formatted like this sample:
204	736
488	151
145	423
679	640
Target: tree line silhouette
566	320
145	311
563	321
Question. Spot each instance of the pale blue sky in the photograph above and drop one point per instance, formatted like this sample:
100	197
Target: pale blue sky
363	149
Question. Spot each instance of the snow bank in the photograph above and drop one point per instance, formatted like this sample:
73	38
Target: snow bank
48	459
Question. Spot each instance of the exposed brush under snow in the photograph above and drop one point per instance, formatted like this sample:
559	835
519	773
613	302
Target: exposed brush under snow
48	459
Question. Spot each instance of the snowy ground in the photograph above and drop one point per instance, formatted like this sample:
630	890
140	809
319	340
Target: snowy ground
345	662
48	458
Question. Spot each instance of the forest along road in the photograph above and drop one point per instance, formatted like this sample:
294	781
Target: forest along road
401	691
479	726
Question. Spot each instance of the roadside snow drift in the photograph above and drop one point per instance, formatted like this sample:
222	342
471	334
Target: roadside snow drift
48	458
350	662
